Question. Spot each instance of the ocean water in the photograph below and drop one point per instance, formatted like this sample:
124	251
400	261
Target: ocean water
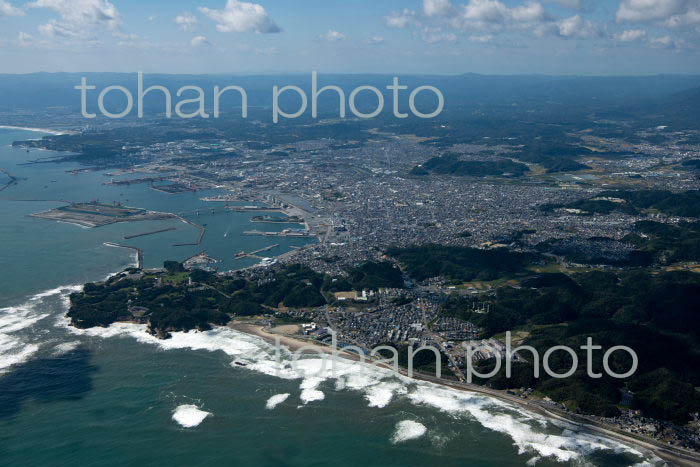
118	396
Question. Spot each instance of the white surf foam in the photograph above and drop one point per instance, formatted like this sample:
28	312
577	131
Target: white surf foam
18	339
13	319
189	416
311	395
65	290
407	430
276	400
82	226
260	356
66	347
13	351
348	375
242	346
381	394
523	428
531	434
20	336
273	368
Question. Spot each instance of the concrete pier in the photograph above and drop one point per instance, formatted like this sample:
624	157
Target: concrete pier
139	252
243	254
199	237
169	229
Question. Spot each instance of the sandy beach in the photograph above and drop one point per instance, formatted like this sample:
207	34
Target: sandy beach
293	343
666	453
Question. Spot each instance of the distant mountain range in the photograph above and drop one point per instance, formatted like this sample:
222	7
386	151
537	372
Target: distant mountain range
672	98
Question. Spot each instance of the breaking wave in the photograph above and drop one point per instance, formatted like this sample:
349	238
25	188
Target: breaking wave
19	337
276	400
407	430
534	436
189	416
528	431
66	347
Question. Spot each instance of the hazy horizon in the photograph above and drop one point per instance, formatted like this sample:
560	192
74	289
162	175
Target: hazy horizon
356	73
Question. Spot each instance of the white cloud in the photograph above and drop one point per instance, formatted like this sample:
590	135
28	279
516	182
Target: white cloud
56	30
665	13
631	35
638	11
486	11
241	17
186	21
668	42
530	12
6	9
332	36
132	43
25	39
481	39
662	42
573	4
199	41
436	7
576	26
78	19
493	14
83	12
573	27
432	35
484	21
401	19
374	40
689	17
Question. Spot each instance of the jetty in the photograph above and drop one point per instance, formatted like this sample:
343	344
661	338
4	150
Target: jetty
199	237
200	261
253	254
12	180
221	199
253	209
139	252
136	181
277	220
284	233
173	188
169	229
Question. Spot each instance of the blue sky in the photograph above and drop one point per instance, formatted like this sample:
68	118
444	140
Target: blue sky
359	36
